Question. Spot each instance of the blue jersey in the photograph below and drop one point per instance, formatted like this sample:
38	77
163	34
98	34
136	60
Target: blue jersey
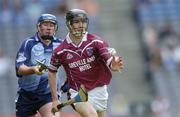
30	51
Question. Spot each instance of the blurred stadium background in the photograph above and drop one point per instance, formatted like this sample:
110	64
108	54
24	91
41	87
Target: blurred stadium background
146	33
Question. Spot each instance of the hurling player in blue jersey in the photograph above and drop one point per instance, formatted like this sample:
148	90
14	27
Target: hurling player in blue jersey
34	93
86	60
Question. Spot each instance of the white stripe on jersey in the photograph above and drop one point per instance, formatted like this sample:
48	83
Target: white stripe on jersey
91	43
60	52
53	67
82	50
27	42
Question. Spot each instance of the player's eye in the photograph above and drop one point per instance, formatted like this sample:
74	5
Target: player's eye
84	20
75	21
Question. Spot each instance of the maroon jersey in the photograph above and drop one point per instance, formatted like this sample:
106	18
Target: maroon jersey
87	63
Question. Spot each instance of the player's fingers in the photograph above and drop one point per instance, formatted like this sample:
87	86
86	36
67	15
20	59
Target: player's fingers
118	61
121	67
120	64
54	110
40	73
115	59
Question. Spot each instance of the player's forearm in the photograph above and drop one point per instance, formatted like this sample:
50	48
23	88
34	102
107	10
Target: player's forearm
25	70
53	85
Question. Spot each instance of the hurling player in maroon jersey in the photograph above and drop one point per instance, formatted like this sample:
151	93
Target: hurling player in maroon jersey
86	60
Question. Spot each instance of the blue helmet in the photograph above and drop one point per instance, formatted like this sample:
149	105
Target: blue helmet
48	17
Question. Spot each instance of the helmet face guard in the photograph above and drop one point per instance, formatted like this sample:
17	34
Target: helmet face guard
71	15
47	18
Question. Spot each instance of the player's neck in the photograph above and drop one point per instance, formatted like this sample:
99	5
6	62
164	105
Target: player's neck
75	40
46	42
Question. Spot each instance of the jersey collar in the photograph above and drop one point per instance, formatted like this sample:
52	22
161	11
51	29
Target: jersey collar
70	41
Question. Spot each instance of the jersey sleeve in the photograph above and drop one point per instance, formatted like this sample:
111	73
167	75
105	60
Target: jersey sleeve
55	62
102	48
23	55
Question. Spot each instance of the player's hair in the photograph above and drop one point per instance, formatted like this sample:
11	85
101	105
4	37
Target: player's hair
71	14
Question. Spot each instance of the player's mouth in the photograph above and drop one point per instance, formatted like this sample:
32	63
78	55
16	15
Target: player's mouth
48	33
79	29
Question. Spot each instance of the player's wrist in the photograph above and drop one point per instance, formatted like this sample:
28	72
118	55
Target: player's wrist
33	69
54	99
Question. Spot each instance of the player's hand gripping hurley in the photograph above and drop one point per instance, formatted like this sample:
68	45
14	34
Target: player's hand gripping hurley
82	96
